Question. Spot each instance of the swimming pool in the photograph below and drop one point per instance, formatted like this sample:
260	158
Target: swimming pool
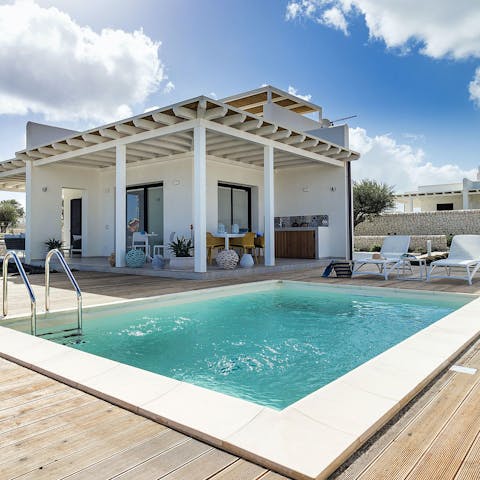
271	345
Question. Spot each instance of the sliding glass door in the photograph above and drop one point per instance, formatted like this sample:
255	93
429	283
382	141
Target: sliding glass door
145	212
234	206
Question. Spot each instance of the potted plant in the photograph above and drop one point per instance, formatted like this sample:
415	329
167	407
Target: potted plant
182	259
53	243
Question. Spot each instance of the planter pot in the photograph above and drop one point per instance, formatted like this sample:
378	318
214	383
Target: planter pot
247	261
158	262
182	263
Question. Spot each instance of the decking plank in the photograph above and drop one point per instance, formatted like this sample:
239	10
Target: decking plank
240	470
203	467
166	462
44	392
93	447
23	409
73	417
50	410
404	452
24	386
470	468
133	457
446	454
63	447
275	476
45	440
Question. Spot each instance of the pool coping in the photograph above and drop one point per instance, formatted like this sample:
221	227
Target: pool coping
307	440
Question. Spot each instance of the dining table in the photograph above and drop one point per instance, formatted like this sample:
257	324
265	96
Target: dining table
228	236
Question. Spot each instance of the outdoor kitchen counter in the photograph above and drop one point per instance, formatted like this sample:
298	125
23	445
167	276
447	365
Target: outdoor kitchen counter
301	242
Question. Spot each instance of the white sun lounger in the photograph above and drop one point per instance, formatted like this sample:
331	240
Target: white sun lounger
464	254
393	248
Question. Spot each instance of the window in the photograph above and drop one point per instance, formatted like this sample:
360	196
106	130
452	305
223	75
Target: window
444	206
145	212
234	206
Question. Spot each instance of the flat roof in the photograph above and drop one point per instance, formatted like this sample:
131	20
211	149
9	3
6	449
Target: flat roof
253	101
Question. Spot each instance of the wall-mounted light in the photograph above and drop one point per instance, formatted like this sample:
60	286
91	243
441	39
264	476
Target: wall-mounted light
44	189
333	189
306	189
176	181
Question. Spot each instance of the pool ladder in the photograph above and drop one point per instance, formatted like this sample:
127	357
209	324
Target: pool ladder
31	294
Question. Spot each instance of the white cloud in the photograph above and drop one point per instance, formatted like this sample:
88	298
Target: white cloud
334	17
294	9
385	160
437	29
440	28
213	95
169	87
53	66
321	11
474	88
293	91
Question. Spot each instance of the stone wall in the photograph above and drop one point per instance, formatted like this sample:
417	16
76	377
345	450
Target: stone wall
453	222
418	243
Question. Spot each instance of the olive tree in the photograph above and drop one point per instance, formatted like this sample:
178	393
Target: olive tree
370	198
10	212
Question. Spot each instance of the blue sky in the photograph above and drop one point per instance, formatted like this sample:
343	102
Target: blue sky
407	78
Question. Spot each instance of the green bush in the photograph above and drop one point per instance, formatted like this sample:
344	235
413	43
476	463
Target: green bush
375	248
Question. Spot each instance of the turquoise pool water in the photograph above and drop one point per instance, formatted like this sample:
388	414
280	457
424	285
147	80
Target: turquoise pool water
272	347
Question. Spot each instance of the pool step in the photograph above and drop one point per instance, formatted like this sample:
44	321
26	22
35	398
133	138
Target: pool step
68	335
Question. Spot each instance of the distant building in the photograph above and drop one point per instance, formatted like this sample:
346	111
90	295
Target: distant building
446	196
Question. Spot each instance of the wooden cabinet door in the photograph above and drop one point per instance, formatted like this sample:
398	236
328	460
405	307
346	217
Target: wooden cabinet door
295	244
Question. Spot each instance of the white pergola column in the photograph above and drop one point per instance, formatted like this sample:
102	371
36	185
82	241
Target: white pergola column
120	204
200	197
28	211
268	187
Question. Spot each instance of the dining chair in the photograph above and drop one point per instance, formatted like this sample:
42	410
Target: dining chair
260	245
164	247
140	241
245	243
212	243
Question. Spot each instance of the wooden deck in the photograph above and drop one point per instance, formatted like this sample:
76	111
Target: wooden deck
52	431
438	437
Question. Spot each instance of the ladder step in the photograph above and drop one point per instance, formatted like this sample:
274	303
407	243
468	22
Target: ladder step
57	332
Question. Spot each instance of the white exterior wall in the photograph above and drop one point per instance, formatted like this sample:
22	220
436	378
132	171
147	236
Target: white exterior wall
46	207
99	198
177	190
429	204
291	199
288	119
474	201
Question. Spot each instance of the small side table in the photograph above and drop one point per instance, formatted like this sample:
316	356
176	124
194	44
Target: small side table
422	268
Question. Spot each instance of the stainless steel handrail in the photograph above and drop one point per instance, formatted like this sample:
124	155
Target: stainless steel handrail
70	276
21	270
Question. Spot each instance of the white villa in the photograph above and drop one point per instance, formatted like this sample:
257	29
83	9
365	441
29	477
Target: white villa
254	159
445	196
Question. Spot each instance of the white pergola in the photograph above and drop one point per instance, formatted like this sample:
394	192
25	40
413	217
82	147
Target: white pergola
201	125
